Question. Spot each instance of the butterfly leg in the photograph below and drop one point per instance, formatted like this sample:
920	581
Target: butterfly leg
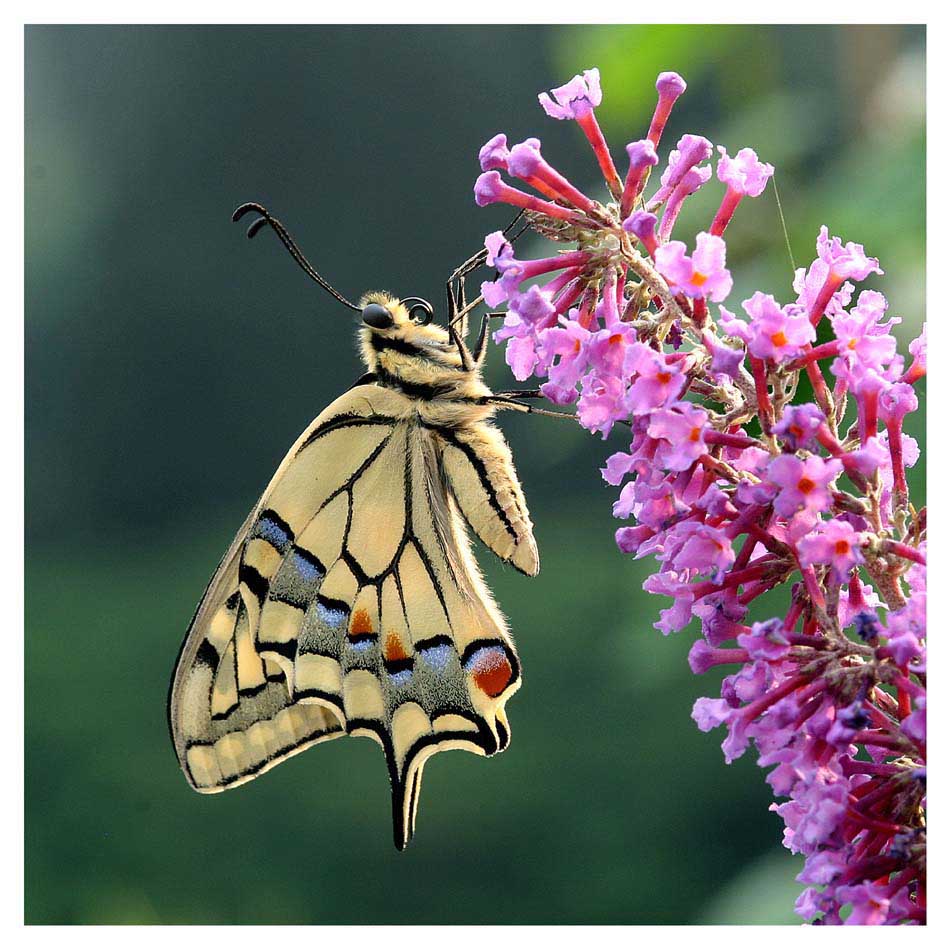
455	285
464	355
455	290
521	393
481	344
506	400
503	402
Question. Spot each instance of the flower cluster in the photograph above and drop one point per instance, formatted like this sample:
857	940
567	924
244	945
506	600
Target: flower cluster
737	488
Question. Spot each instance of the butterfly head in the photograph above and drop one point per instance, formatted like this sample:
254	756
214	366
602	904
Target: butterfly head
408	318
399	338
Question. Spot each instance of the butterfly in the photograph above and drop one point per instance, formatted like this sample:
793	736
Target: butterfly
349	602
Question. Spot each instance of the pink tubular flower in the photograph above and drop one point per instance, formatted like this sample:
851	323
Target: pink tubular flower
738	431
629	539
744	176
800	425
845	261
525	162
642	225
870	904
490	189
569	343
521	357
776	333
864	341
681	430
608	347
689	152
766	640
500	255
703	549
824	290
669	86
642	157
725	359
833	542
689	184
803	485
711	713
618	466
528	314
702	275
896	402
601	403
658	381
494	154
531	311
918	349
575	99
816	291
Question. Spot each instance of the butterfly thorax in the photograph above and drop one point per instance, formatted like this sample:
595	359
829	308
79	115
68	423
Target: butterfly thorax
423	363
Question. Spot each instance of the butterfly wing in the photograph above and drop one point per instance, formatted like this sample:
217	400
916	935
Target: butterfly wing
349	603
480	473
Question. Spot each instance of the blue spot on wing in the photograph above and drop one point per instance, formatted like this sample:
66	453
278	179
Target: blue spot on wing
331	616
485	658
305	567
275	534
438	656
401	677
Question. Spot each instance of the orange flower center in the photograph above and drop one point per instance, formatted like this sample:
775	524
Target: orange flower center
779	339
698	278
694	435
806	485
663	377
616	338
841	547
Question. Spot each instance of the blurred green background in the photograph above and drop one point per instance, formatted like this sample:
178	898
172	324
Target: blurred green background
170	364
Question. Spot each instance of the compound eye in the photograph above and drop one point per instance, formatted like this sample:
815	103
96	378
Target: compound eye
377	316
420	311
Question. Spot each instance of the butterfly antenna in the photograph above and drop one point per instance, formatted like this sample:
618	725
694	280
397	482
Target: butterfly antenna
265	219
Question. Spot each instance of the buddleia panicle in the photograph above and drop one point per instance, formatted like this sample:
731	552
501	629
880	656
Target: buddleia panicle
736	488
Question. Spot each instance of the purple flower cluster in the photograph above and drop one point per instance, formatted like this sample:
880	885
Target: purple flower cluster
735	488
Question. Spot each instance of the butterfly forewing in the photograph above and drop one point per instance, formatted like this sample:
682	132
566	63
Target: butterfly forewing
350	603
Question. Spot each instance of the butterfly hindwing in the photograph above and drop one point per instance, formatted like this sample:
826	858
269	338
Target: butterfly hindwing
350	603
480	473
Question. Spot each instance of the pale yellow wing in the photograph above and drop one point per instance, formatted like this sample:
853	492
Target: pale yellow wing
349	603
481	475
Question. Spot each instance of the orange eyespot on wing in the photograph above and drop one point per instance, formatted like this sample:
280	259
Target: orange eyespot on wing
394	650
490	668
